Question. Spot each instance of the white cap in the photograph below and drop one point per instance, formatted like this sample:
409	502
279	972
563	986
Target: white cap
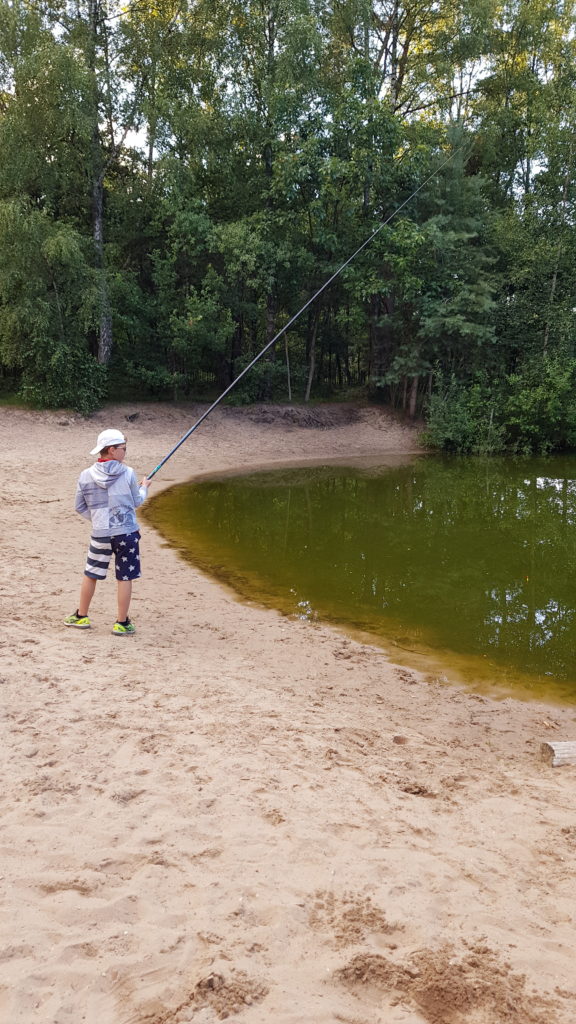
107	438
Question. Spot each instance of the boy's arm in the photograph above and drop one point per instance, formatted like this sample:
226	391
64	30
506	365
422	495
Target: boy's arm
144	485
139	494
80	503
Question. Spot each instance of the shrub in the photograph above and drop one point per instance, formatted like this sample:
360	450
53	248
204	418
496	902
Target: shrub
463	418
68	379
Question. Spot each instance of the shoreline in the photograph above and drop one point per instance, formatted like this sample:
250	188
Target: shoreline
465	671
233	815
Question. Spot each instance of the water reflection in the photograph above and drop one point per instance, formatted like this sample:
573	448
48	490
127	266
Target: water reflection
472	556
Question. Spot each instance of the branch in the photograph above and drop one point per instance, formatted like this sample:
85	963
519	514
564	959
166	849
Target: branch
436	102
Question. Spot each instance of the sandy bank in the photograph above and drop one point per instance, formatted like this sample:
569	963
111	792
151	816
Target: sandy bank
234	815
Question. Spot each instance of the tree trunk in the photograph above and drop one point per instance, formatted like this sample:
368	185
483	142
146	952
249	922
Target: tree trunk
270	332
312	363
413	398
152	128
105	336
105	332
368	97
288	369
559	248
381	337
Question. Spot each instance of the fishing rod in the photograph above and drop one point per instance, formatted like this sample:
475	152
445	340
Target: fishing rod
296	315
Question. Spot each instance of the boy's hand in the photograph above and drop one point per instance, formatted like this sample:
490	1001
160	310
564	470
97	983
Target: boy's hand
145	482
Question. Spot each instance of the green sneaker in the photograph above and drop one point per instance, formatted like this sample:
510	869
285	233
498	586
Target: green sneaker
78	621
119	629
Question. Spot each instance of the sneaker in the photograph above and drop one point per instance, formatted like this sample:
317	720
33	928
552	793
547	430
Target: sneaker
119	629
78	621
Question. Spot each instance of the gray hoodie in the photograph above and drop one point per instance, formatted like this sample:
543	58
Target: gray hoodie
108	494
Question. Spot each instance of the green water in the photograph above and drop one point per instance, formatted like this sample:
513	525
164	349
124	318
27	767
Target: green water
467	562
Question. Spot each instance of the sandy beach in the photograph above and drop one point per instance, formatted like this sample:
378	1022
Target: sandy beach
237	815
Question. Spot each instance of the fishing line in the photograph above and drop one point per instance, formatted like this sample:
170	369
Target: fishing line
299	313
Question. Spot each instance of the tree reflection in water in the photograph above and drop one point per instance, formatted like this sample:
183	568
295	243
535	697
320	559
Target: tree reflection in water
465	555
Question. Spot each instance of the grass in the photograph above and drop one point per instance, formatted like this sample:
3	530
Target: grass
10	398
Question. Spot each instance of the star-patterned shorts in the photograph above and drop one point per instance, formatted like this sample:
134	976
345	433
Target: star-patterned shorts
126	550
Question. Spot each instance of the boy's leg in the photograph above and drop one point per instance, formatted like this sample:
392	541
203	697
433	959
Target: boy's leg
97	561
86	594
127	553
79	618
124	596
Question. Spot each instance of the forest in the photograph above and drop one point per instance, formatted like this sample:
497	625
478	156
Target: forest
178	177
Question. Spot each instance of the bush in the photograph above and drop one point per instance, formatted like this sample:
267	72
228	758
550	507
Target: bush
159	382
267	381
532	410
540	408
69	379
464	418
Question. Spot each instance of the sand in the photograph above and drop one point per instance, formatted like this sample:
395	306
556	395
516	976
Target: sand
236	815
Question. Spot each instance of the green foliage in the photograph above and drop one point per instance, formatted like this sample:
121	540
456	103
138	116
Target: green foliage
464	419
69	378
206	325
47	305
266	381
176	181
156	383
532	410
540	405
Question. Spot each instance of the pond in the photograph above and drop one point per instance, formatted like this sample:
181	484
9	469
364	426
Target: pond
466	563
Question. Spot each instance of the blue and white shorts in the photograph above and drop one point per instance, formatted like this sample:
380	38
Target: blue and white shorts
126	550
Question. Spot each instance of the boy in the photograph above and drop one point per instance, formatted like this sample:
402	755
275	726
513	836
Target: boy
108	494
